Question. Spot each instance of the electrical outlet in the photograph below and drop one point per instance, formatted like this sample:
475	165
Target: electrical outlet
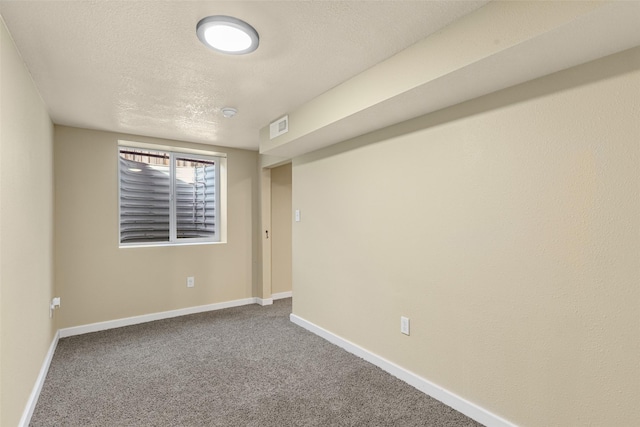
55	303
191	282
404	325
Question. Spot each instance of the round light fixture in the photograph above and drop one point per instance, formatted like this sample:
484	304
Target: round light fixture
229	112
227	34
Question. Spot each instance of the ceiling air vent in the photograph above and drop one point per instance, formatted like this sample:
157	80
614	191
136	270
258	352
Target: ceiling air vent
279	127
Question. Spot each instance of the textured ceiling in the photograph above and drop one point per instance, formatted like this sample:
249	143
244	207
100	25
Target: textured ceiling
138	66
502	45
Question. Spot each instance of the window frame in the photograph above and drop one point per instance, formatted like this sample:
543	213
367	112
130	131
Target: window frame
220	234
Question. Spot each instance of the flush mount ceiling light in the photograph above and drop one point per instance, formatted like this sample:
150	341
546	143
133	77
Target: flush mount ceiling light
227	34
229	112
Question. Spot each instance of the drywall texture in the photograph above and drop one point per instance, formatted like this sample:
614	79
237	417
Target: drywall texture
507	229
26	232
98	281
281	229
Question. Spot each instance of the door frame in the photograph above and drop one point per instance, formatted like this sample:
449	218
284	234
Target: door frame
264	293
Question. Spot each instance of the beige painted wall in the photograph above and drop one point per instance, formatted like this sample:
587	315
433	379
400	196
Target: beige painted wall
98	281
507	229
26	232
281	229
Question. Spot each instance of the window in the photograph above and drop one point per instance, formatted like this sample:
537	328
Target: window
168	197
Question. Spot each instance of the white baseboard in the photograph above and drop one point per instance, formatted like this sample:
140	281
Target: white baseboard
118	323
37	387
264	301
450	399
281	295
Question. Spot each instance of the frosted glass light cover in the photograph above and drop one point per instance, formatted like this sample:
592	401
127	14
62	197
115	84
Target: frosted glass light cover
228	39
227	34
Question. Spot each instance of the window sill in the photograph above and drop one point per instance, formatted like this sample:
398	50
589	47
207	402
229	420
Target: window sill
159	245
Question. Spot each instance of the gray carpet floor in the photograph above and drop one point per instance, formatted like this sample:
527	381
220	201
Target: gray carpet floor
244	366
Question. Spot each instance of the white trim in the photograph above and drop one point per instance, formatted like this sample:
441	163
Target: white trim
118	323
37	387
456	402
220	233
264	301
281	295
166	244
170	148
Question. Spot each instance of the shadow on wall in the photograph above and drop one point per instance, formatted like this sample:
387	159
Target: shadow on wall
577	76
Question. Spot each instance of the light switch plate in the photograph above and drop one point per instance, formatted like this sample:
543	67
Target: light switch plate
404	325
